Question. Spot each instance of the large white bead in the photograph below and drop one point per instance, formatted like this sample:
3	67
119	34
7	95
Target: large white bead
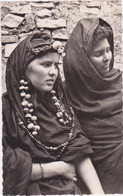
57	103
24	103
27	96
61	120
59	114
28	115
30	126
26	109
37	127
34	117
30	105
22	94
22	81
34	133
57	44
22	87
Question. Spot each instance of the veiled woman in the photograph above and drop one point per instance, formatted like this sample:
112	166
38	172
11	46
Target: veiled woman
95	92
42	139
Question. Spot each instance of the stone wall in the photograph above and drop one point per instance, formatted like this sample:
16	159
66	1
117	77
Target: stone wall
21	18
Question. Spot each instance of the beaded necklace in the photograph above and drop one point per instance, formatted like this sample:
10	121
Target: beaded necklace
33	128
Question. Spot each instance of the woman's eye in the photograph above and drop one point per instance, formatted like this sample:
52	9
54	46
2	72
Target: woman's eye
45	64
97	54
108	50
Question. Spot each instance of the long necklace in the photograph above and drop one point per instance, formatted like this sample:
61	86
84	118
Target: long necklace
32	127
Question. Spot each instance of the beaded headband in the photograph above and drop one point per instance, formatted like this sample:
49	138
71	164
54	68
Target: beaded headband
42	43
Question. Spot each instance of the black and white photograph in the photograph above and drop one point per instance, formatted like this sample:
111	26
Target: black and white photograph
61	97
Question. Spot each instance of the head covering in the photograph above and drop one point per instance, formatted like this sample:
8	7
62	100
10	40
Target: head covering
23	54
88	90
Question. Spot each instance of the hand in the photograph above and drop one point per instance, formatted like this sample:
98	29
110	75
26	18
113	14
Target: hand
68	171
59	168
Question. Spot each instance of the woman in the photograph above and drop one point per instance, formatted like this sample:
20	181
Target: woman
95	91
42	139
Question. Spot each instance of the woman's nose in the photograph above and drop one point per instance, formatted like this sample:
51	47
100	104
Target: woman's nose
106	56
53	70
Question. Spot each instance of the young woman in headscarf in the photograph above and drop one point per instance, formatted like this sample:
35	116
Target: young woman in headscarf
43	143
95	92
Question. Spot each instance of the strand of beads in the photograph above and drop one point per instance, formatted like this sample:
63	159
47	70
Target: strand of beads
28	108
51	148
62	115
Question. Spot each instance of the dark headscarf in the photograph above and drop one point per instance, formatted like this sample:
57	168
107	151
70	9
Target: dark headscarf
17	63
88	89
18	144
97	101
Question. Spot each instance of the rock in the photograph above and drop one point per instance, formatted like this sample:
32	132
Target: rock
43	13
45	23
30	21
4	32
93	4
11	21
9	48
9	39
21	9
60	36
43	5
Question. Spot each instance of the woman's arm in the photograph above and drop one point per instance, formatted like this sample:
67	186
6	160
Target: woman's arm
51	169
88	174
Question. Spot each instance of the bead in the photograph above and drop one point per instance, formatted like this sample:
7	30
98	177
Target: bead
26	87
59	114
37	127
54	98
70	134
63	54
34	117
34	133
20	123
57	104
31	110
22	94
53	92
70	118
57	44
22	87
22	81
28	115
30	126
27	96
25	82
61	120
26	109
30	105
24	103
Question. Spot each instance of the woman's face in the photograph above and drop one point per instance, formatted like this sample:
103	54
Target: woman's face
101	56
43	71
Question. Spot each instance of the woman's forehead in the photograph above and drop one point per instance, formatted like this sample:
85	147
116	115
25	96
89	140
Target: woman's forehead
49	56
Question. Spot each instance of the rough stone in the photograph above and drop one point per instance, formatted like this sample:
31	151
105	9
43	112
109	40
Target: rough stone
30	21
93	4
60	36
21	9
43	13
43	5
45	23
11	21
4	32
9	39
9	48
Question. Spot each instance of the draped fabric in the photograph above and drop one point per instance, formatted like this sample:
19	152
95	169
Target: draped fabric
97	101
19	150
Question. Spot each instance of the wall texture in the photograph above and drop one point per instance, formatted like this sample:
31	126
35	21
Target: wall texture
21	18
